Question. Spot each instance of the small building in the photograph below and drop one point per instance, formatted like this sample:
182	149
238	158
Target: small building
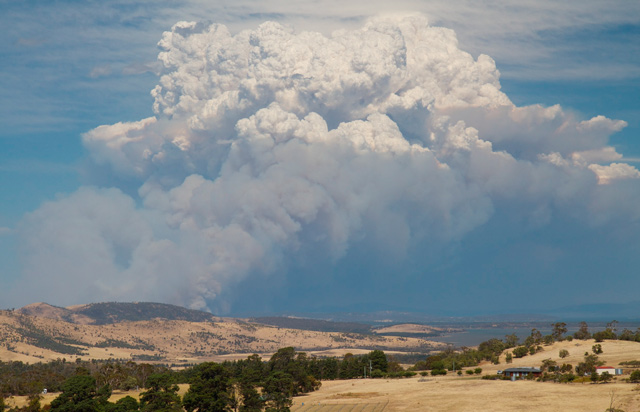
521	373
609	369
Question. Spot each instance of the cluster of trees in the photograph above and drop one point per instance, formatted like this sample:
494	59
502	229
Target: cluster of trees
609	333
18	378
533	343
374	364
451	360
245	385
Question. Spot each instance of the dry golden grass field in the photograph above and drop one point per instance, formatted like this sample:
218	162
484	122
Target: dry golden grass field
469	394
454	394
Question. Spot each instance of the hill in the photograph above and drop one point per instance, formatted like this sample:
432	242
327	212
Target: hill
114	312
464	393
168	334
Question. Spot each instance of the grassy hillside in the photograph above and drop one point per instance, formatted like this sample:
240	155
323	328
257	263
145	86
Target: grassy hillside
166	334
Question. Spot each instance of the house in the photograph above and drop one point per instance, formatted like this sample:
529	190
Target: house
610	369
516	373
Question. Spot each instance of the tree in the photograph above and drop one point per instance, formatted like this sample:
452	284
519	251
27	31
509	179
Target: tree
251	400
253	369
79	394
209	390
511	341
278	390
378	360
597	349
509	357
549	365
520	351
563	353
604	334
33	405
161	396
589	364
635	376
583	332
559	329
606	377
126	404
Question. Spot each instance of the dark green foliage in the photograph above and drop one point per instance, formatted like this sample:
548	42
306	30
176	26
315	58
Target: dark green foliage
589	365
161	395
436	372
511	341
509	357
630	336
113	312
278	390
79	394
583	332
493	377
597	349
17	378
477	371
41	339
563	353
126	404
606	334
549	365
520	351
633	363
251	399
606	377
210	389
559	329
635	376
378	360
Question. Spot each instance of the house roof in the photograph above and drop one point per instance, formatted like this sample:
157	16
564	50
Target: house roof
605	367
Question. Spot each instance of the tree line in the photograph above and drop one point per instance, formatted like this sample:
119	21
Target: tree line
247	385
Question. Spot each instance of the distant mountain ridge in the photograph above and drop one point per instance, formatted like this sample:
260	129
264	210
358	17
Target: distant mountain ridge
114	312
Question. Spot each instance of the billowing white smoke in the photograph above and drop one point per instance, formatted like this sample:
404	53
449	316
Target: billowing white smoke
268	143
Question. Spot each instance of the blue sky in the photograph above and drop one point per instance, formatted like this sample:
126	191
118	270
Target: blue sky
68	68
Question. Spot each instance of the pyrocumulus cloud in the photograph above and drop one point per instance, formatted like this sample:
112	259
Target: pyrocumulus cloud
271	143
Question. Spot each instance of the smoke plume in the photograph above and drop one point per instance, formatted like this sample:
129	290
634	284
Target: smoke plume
270	146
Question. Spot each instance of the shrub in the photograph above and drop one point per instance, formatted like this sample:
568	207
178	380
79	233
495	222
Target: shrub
492	377
635	376
436	372
477	371
563	353
520	351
